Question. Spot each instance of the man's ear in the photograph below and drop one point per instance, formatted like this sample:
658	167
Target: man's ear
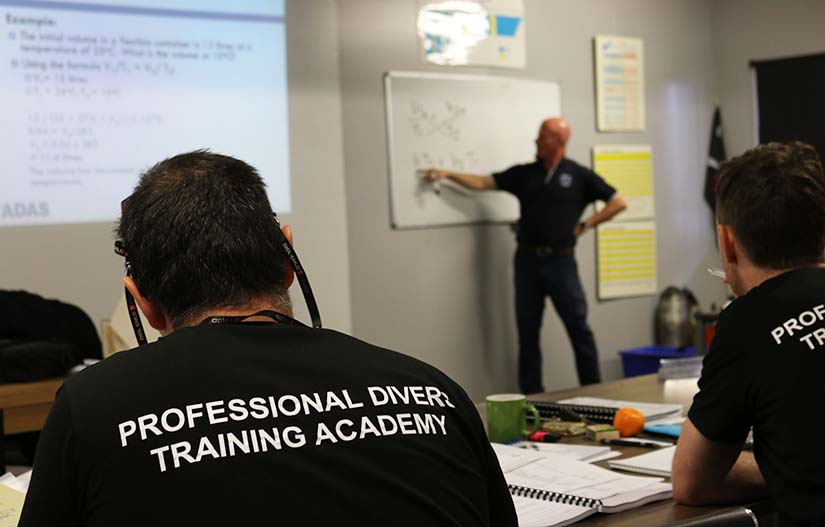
150	310
289	272
727	244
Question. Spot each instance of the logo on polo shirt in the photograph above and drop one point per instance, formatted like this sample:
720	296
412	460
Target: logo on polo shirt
565	180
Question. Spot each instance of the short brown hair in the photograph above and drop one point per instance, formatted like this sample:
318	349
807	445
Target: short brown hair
773	198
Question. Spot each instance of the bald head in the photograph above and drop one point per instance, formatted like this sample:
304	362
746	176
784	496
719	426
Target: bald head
559	127
552	139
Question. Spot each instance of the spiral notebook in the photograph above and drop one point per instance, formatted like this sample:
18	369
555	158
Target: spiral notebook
552	490
656	463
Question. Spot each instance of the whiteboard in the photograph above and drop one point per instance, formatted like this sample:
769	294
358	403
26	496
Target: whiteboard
465	123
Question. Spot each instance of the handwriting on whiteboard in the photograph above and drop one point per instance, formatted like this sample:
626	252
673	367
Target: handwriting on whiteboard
437	120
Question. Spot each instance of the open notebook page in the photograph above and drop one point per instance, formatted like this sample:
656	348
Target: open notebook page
578	452
566	476
637	498
540	513
510	457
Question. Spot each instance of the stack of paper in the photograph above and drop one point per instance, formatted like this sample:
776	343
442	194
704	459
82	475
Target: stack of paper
19	483
656	463
12	495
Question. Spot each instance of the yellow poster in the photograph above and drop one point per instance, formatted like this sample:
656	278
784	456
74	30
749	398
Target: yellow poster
626	259
629	169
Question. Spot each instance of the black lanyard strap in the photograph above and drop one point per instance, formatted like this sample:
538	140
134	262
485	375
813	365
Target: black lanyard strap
274	315
301	275
134	314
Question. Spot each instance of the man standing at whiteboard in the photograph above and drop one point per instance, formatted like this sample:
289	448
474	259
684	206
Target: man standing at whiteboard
553	192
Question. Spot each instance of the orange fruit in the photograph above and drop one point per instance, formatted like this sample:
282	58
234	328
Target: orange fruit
629	421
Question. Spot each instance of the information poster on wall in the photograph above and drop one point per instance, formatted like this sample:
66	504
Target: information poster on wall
629	169
473	33
627	259
96	92
620	91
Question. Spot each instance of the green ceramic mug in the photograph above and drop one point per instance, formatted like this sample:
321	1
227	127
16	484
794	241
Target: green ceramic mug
507	417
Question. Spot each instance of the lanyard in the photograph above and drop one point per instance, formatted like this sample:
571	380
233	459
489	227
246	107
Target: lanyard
550	173
274	315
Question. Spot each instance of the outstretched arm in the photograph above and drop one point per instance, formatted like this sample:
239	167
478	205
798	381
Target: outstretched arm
466	180
706	471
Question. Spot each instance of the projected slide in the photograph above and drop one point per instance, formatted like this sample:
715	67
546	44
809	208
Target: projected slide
93	93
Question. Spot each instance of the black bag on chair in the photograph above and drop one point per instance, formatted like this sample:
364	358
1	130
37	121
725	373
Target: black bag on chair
41	338
35	360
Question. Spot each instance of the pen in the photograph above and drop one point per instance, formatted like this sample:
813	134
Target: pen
630	442
715	271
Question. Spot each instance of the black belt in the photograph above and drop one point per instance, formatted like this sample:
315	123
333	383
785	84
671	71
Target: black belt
546	250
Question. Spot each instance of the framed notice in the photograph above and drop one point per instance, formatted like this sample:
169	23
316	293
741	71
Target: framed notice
472	33
629	169
620	91
626	259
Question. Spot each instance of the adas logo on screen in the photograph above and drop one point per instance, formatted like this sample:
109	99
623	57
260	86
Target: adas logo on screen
22	209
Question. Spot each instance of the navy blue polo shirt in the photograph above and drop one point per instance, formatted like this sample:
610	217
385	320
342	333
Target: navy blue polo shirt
552	203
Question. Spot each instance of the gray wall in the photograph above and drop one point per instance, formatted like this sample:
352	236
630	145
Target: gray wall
744	30
75	263
445	295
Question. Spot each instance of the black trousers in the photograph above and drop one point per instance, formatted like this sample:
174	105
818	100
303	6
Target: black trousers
556	276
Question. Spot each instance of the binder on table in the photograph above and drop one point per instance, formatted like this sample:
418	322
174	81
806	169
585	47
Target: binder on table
597	414
651	411
603	410
656	463
552	491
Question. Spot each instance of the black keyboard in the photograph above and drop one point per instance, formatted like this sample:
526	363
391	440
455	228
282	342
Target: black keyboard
568	412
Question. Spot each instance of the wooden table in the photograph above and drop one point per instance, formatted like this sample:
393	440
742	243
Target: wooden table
646	388
24	407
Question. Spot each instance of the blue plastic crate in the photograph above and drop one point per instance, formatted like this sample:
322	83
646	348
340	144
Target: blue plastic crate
641	361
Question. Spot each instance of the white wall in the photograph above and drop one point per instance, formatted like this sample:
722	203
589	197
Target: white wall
76	263
445	295
745	30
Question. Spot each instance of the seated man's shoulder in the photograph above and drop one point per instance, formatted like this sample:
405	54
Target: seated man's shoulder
378	357
113	371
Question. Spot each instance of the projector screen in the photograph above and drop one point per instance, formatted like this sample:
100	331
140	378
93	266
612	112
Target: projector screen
95	92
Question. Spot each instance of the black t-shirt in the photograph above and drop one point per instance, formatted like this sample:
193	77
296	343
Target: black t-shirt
765	369
264	424
552	203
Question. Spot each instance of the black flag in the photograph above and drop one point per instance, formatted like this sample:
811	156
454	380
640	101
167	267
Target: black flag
716	155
